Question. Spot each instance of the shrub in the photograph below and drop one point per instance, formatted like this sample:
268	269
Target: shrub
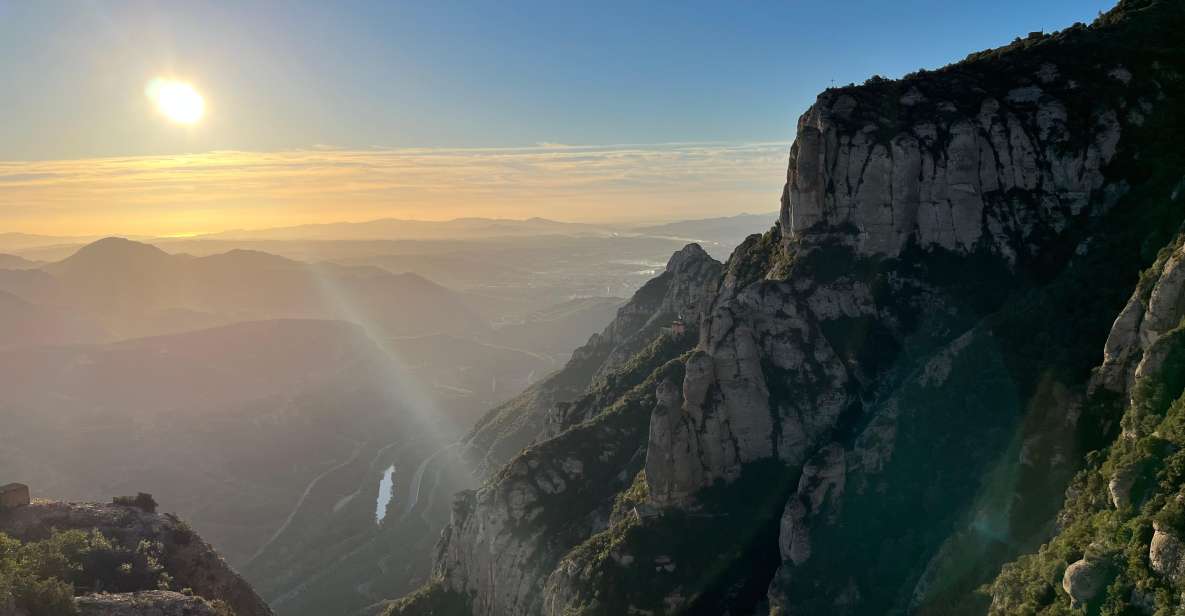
42	577
142	501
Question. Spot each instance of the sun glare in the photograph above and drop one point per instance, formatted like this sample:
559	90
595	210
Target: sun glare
176	100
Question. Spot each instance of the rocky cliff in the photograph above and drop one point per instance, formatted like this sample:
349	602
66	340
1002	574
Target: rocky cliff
892	388
189	561
682	291
1119	545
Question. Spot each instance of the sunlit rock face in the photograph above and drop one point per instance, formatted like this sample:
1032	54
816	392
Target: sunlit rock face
954	170
889	391
946	174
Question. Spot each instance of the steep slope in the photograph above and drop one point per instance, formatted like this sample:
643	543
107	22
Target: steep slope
1119	546
889	393
681	290
189	561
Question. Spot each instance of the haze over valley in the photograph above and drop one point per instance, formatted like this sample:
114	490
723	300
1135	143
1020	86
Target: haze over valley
263	384
592	309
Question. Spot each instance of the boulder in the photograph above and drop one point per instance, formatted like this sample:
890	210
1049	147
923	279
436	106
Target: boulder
1084	581
1166	554
1120	486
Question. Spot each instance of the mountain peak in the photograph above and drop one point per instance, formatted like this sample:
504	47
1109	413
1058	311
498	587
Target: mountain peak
690	253
111	254
117	247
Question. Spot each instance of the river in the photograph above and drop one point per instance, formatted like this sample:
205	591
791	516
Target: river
386	491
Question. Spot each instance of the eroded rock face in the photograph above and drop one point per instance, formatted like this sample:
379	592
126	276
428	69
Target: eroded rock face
946	180
683	290
187	558
693	276
506	538
1136	346
1166	554
1001	177
819	492
855	351
769	328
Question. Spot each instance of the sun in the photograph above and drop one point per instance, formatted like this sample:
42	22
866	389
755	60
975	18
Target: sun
176	100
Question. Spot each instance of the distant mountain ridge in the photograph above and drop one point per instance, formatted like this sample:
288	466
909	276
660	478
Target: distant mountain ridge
136	289
16	262
397	228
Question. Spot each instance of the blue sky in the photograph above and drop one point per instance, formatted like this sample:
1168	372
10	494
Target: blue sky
324	111
445	73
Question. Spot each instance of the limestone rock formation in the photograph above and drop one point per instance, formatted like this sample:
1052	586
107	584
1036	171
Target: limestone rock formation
683	291
892	388
1166	554
1153	310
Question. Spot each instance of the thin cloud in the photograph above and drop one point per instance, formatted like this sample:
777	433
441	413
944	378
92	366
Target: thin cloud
214	190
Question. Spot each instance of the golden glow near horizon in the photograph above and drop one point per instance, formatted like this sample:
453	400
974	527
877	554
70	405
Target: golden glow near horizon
214	191
176	100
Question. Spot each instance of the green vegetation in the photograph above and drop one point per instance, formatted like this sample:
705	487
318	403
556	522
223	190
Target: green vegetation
1151	453
640	561
142	501
610	442
433	599
42	577
757	257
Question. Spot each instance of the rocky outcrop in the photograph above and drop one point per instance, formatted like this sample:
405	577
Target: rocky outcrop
1166	554
190	561
509	535
890	389
1084	581
728	418
682	291
820	488
146	603
1129	481
948	172
957	167
1135	346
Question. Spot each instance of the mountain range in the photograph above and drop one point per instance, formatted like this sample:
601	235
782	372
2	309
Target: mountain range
135	289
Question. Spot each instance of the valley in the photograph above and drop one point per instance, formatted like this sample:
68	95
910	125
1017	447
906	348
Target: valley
266	398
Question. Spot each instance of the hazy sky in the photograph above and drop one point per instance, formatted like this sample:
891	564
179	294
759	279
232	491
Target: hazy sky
336	110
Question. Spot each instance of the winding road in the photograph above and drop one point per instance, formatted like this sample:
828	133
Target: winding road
417	480
296	508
